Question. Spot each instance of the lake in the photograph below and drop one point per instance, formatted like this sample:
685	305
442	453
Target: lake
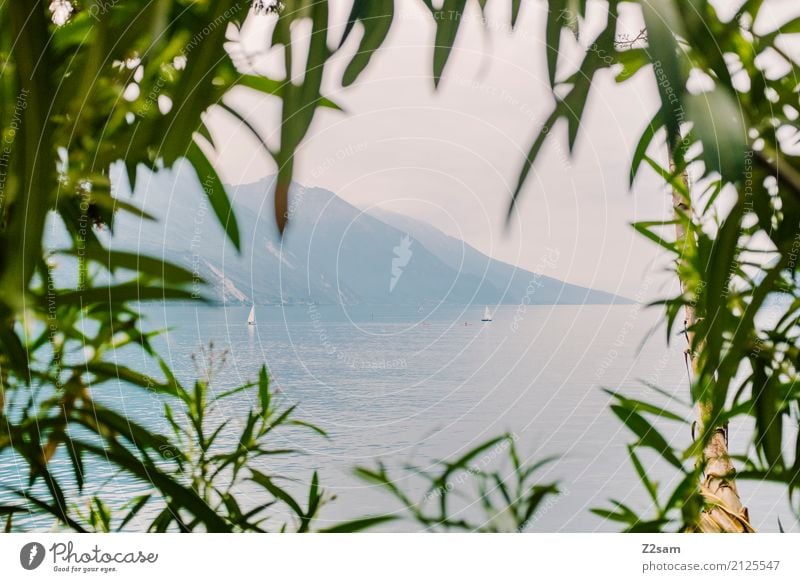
409	386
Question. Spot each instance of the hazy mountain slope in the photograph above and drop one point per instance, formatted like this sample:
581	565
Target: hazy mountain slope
512	281
332	252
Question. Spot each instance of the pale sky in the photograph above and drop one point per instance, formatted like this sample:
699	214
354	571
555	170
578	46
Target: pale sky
452	156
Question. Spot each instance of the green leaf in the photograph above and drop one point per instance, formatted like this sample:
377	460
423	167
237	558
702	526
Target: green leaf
244	122
197	87
237	390
376	17
448	20
651	487
55	509
632	61
663	22
268	484
215	191
273	87
113	260
114	294
137	504
719	126
644	228
313	427
232	506
299	102
314	498
101	420
599	56
575	102
515	7
14	351
131	170
357	525
161	523
538	494
665	394
112	371
99	515
175	385
263	390
533	153
640	406
769	418
555	13
641	147
723	257
675	180
621	517
462	463
648	435
113	204
180	495
650	526
76	459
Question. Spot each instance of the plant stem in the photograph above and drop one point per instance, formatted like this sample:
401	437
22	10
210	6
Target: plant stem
724	512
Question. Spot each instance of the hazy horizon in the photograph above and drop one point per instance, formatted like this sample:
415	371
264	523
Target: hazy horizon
454	154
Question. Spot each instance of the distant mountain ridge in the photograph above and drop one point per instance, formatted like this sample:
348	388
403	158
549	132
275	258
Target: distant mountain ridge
331	253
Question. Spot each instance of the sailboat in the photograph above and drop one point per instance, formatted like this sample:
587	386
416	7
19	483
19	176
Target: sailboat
251	319
487	315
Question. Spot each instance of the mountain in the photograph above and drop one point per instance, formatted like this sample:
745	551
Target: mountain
513	283
331	253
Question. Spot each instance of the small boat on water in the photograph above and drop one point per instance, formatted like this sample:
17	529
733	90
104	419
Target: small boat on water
251	319
487	315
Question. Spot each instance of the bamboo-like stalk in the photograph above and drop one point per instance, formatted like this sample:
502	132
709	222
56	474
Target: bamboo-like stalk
724	511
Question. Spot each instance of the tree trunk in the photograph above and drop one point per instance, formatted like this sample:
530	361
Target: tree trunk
724	512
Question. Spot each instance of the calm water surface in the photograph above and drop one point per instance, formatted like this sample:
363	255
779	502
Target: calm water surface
416	385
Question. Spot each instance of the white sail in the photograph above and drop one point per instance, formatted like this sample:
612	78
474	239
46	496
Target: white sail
251	319
487	315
